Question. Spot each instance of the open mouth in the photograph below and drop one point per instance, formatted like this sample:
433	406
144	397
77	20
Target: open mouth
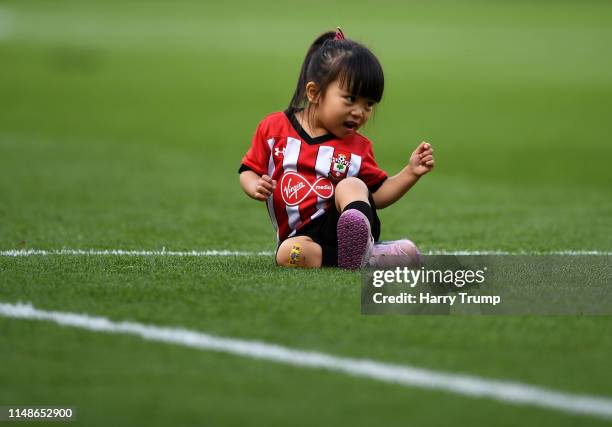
351	125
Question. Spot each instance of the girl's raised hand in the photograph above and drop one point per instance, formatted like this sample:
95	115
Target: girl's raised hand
421	160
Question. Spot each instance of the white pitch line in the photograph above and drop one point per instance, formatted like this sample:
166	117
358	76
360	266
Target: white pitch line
493	252
128	252
226	252
410	376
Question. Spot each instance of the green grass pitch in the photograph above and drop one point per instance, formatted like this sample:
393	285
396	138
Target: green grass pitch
122	125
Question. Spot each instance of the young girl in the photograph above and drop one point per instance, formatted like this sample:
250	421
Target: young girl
318	175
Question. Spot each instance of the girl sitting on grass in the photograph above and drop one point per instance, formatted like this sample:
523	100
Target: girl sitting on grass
318	175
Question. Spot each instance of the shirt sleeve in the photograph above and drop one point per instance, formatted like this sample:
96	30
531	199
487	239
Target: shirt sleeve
370	173
256	159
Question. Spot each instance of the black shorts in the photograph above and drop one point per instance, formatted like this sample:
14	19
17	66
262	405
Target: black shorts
323	230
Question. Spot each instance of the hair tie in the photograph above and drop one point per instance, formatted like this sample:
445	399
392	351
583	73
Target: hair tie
339	34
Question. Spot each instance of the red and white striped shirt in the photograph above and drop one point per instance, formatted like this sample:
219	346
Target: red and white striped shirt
306	169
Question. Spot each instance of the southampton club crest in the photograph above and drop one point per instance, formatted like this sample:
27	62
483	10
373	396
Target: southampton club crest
339	167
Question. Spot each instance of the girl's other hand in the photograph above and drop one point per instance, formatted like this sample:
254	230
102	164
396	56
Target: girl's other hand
422	160
264	188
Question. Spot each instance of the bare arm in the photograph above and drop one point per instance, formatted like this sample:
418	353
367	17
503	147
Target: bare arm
255	186
421	161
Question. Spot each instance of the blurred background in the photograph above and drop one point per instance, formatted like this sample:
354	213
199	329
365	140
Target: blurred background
123	123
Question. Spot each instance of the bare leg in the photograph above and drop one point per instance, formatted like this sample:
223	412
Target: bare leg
350	190
301	252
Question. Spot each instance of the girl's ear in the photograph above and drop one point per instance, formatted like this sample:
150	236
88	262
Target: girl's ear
312	92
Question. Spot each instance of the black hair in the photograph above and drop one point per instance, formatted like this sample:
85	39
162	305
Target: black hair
328	59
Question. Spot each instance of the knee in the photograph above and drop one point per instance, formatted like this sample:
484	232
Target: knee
351	184
350	190
299	253
283	255
289	254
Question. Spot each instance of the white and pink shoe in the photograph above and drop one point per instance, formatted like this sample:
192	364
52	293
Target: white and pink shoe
395	253
355	241
356	247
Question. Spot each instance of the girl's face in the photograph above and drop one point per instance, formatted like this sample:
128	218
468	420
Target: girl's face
341	113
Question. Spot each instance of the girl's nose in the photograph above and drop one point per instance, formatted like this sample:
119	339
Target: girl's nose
357	112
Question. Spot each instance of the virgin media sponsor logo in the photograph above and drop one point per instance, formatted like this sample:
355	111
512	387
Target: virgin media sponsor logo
295	188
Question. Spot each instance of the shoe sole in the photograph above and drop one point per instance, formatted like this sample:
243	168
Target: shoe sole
353	239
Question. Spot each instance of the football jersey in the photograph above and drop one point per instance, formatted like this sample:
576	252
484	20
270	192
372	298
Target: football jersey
306	169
